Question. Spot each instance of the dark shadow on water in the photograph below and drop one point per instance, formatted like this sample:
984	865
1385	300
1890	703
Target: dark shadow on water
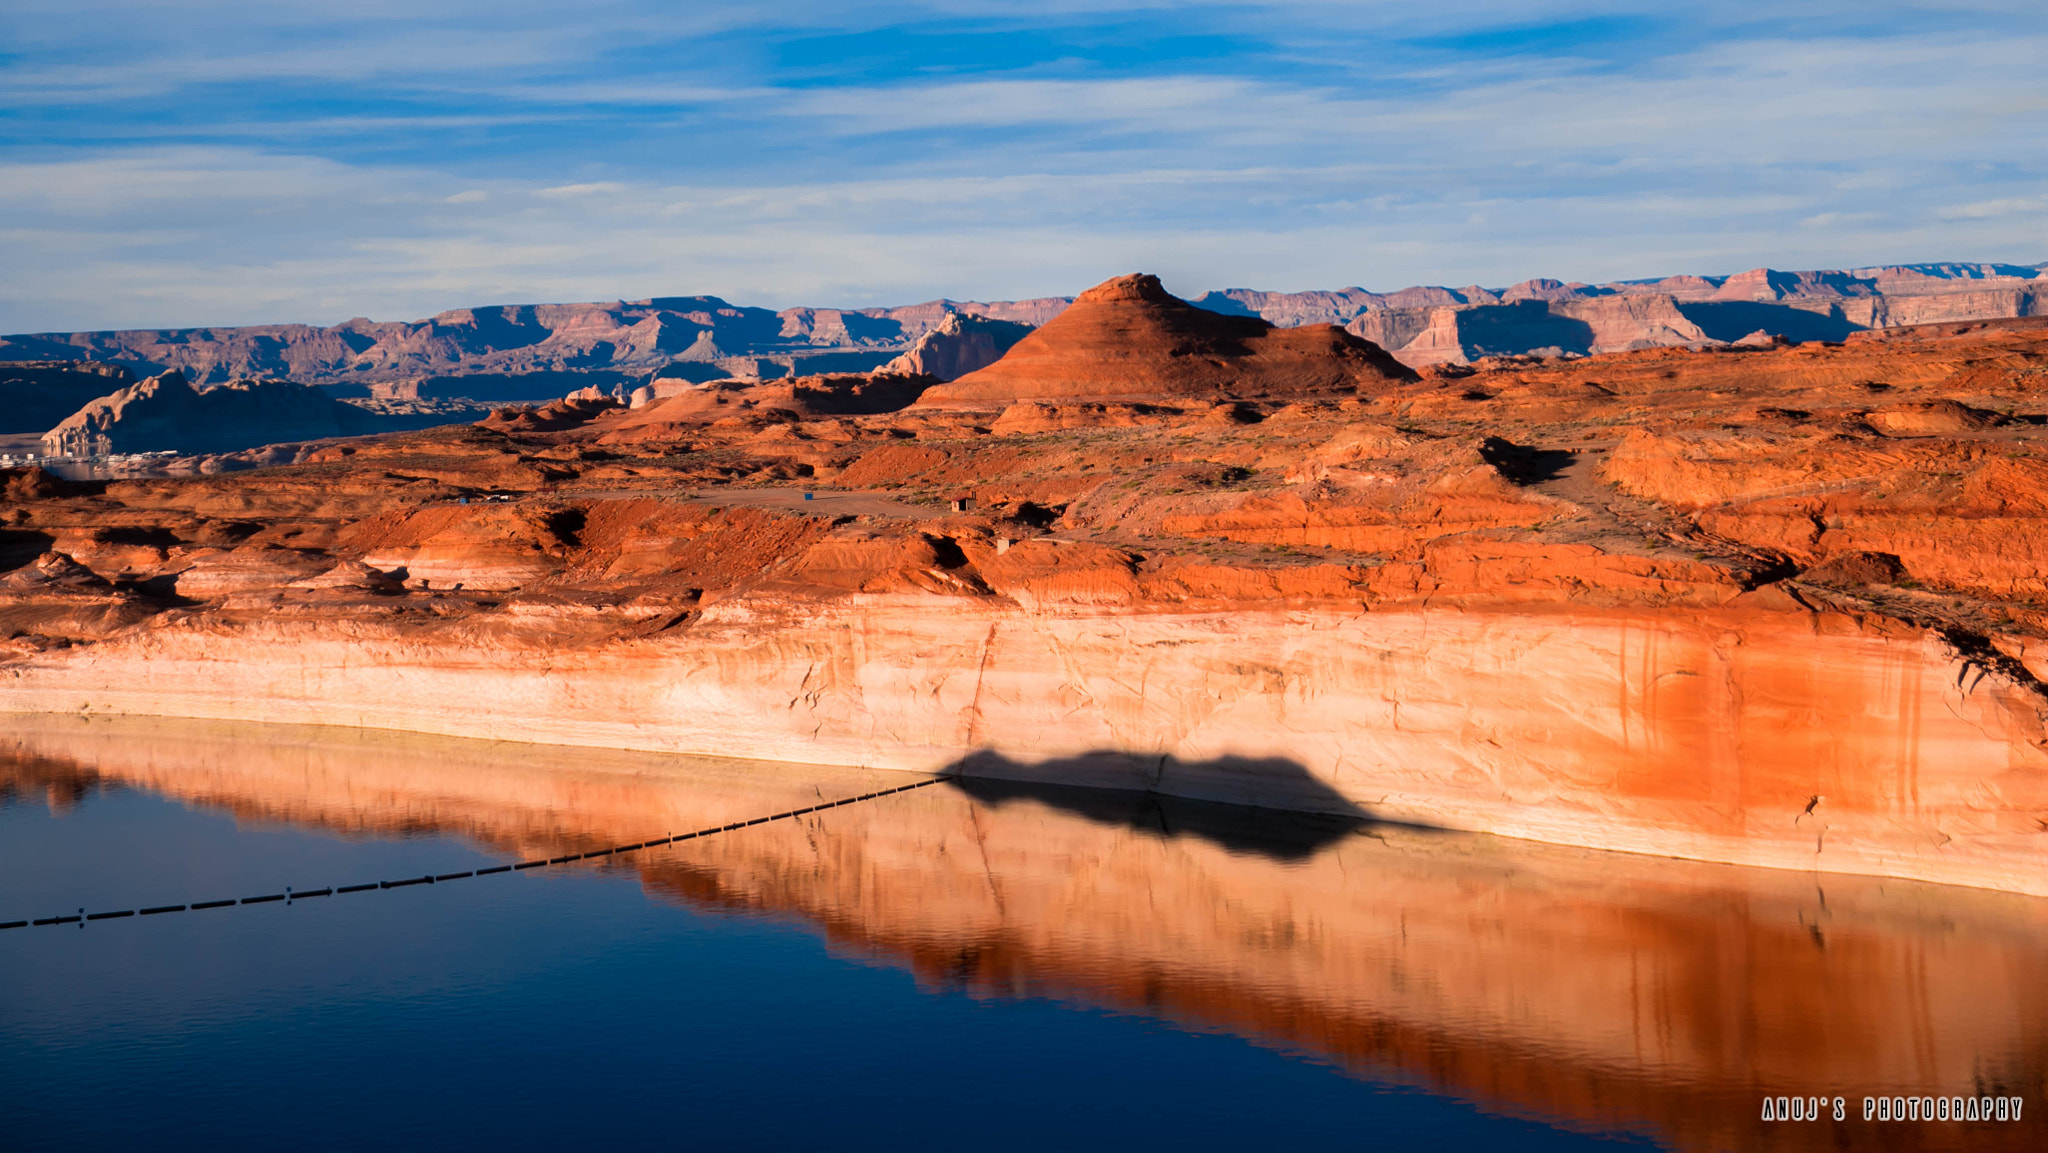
1315	818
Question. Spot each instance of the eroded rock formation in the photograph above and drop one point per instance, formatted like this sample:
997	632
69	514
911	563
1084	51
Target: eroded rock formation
1423	326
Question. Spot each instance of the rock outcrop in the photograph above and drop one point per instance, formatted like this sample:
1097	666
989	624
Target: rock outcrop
1130	339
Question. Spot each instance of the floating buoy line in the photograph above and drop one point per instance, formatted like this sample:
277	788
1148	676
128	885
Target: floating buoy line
290	895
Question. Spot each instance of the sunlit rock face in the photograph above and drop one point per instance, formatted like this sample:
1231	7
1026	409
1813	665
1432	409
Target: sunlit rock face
1583	988
1707	736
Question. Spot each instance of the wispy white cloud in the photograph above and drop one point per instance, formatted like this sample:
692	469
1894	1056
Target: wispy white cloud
292	164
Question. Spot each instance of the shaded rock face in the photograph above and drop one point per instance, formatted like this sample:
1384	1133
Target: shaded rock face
35	395
166	414
52	570
959	345
1130	338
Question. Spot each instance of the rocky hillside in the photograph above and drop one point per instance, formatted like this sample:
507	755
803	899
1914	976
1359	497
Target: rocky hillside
962	343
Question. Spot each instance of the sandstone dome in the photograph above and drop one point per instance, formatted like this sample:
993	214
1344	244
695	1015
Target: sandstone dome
1130	339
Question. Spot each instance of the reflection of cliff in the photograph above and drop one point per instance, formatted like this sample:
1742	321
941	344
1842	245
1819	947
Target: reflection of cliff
1593	990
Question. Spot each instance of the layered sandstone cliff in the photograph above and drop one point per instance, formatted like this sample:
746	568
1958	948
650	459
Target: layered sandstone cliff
1775	606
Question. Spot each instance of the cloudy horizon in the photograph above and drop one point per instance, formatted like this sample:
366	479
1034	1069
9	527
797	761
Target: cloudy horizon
233	163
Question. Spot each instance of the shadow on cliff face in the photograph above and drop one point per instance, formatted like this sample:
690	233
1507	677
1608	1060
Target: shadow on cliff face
19	547
1315	816
1735	319
1519	327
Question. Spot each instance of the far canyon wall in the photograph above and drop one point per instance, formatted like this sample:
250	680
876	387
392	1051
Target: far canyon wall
542	351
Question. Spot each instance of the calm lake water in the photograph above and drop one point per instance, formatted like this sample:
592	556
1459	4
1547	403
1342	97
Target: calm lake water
968	964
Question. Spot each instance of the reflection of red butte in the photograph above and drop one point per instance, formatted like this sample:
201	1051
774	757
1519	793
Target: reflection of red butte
1585	989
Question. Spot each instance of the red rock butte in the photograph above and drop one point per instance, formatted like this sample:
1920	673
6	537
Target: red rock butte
1130	339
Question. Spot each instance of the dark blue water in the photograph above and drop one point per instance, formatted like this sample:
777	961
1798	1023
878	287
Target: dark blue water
568	1008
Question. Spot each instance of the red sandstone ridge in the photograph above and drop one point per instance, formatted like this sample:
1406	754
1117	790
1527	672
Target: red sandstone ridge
1130	339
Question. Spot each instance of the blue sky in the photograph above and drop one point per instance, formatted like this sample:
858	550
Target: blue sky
231	162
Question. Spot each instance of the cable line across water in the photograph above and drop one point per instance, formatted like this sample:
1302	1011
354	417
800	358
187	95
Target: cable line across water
434	879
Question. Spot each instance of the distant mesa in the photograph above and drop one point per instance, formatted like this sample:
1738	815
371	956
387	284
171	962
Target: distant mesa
1128	338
